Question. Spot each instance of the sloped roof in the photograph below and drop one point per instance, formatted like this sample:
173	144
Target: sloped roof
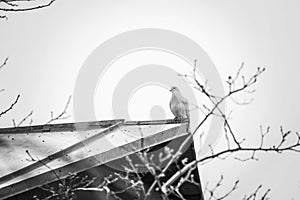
36	155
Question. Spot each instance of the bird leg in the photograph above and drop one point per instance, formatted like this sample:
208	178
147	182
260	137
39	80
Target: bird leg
178	119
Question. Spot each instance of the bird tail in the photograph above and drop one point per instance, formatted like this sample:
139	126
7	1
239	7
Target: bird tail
187	111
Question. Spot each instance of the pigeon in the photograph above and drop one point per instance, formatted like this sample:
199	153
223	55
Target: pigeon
179	105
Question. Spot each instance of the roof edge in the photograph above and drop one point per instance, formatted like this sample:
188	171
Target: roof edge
83	126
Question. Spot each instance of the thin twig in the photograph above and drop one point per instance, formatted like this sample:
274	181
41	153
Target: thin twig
17	9
5	61
61	116
11	106
24	119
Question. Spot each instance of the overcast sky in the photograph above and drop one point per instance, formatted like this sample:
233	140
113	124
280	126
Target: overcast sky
47	49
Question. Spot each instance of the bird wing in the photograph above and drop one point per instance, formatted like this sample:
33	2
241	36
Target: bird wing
179	107
186	108
187	113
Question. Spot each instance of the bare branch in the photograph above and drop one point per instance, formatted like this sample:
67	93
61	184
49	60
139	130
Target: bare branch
216	103
44	164
62	115
24	119
3	17
15	8
253	195
6	59
212	192
11	106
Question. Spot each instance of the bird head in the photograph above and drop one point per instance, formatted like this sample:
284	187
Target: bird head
174	88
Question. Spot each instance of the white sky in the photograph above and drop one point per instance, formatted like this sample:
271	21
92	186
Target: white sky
47	48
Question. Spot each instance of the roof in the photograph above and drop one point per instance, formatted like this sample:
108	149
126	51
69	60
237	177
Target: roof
34	153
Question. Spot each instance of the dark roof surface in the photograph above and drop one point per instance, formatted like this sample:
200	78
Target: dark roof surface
32	151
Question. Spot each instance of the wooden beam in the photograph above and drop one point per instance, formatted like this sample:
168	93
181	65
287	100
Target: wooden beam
58	154
156	122
81	126
93	161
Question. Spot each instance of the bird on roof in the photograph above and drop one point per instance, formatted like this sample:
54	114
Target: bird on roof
179	105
